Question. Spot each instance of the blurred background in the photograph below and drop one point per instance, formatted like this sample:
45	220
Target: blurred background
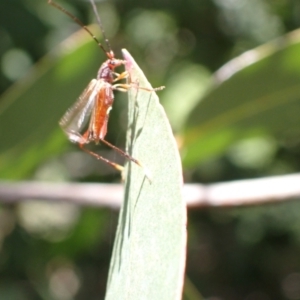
233	101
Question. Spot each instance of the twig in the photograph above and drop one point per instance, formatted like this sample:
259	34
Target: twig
229	194
90	194
244	192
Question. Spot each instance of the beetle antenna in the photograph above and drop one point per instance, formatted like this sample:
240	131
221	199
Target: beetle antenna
75	19
100	24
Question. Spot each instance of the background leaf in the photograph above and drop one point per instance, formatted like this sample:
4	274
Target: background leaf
255	94
149	251
30	109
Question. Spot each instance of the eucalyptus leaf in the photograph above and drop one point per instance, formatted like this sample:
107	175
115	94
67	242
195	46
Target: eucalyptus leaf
149	252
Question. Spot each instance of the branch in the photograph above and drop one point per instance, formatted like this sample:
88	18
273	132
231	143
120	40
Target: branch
228	194
90	194
243	192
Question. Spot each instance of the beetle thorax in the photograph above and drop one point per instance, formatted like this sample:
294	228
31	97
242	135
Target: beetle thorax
106	70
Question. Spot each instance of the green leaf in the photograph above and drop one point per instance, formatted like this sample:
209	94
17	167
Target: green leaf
255	94
149	252
31	108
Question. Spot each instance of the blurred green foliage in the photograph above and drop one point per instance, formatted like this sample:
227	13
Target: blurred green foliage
241	123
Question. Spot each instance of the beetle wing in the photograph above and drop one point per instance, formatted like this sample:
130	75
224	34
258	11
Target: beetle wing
77	116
